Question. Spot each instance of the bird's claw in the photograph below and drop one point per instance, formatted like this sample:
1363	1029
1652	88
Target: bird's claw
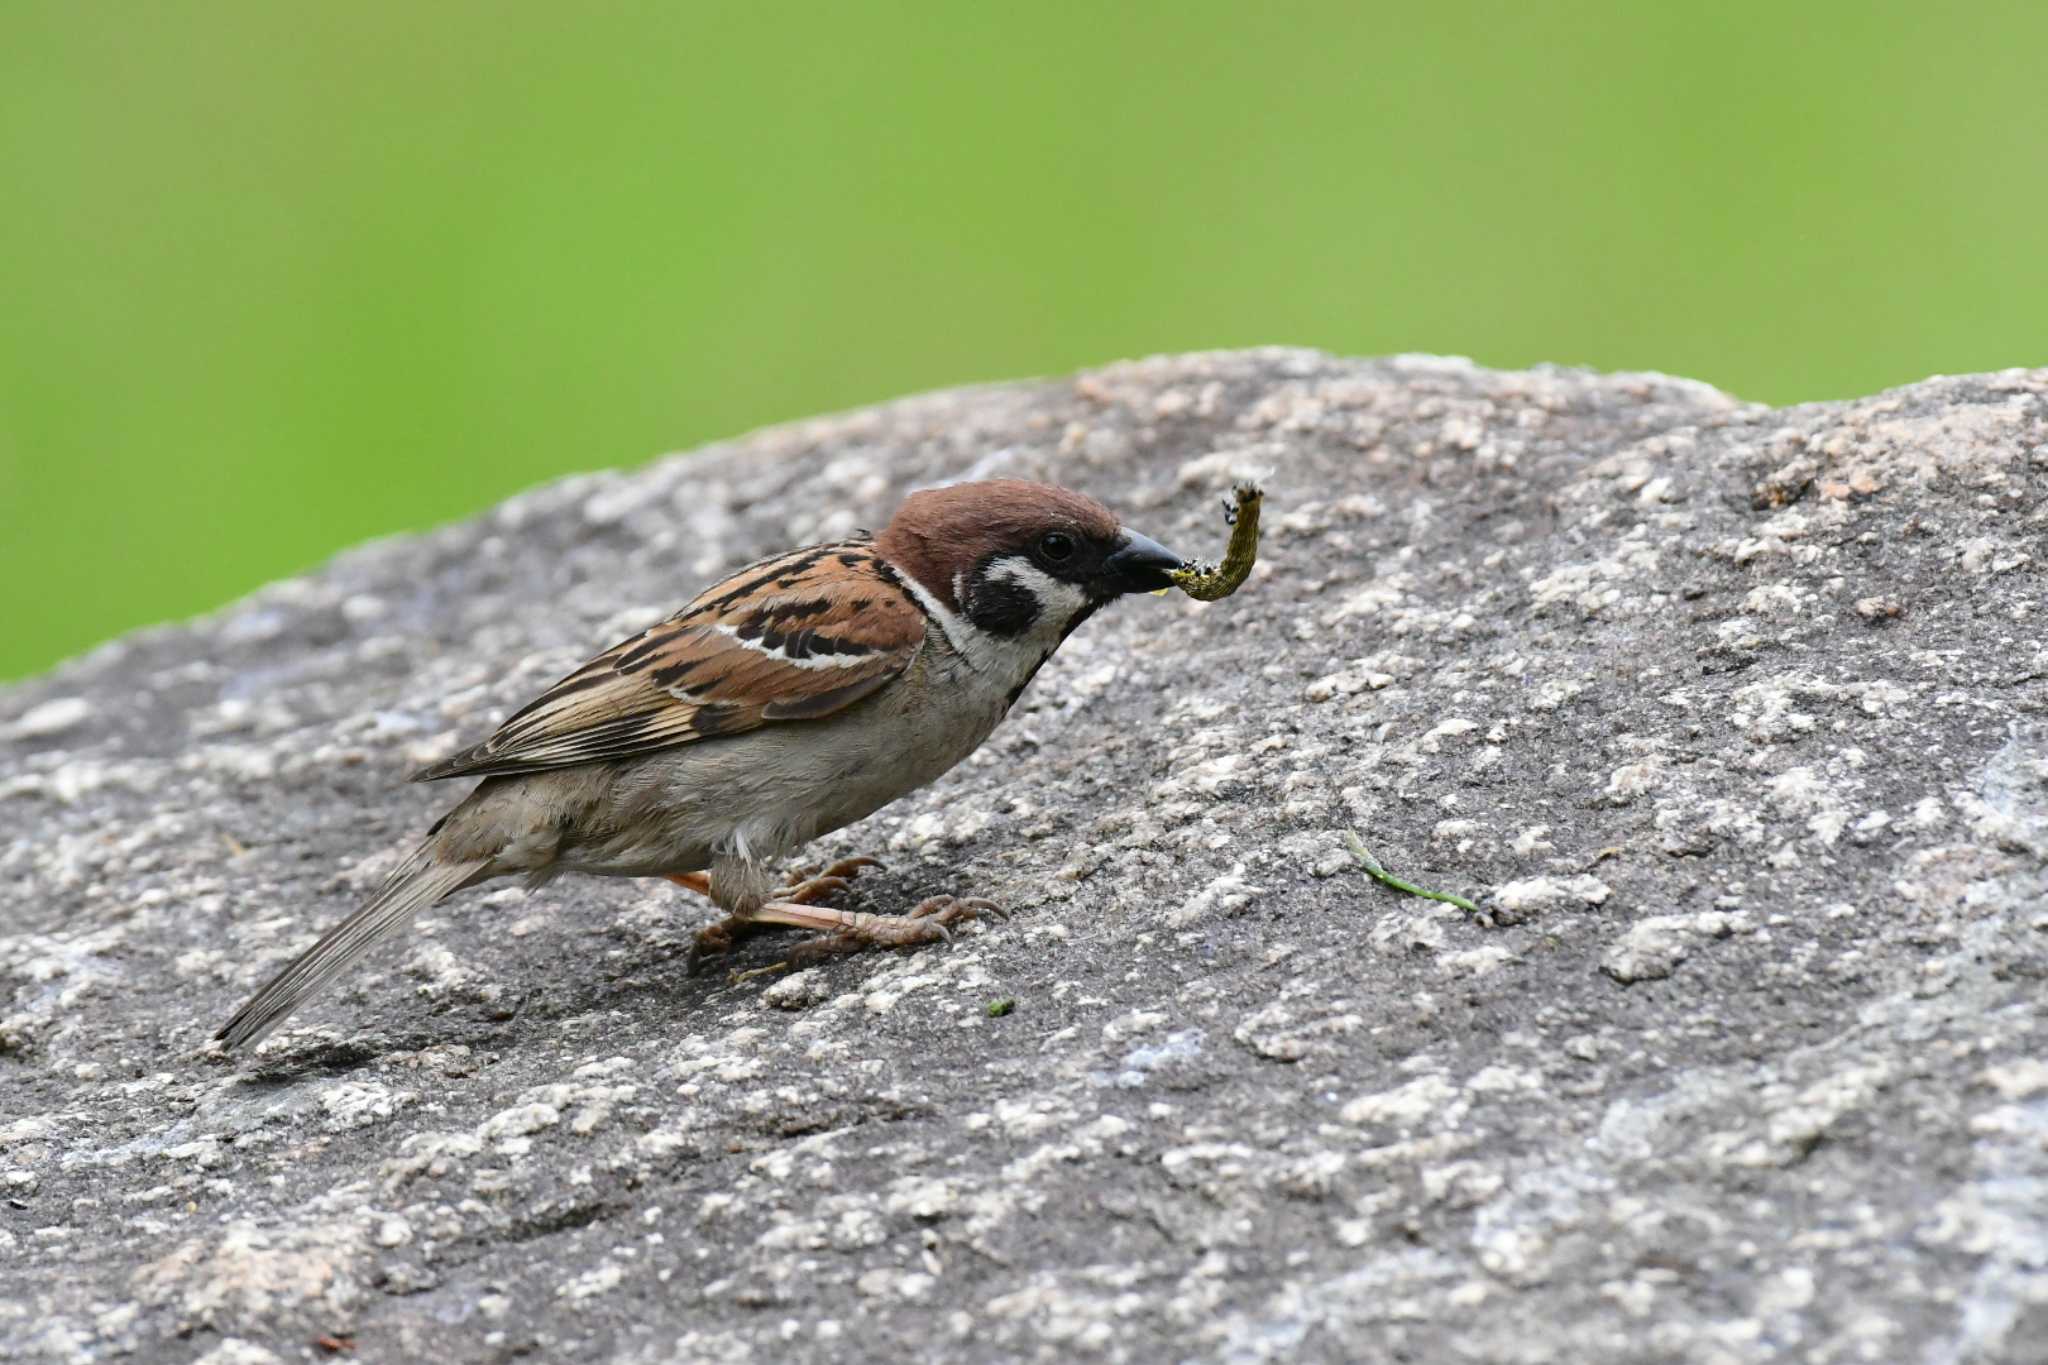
829	881
811	890
713	940
943	911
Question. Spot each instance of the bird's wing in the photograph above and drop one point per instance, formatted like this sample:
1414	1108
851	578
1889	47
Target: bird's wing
794	637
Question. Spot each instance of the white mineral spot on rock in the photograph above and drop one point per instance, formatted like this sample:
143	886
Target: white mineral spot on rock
1405	1106
734	1070
1335	860
1632	780
1516	1252
885	1283
519	1121
1420	931
922	1197
1505	1080
610	1066
1461	1184
52	717
600	1280
27	1130
237	1351
1991	555
859	1226
1279	1033
2017	1080
1138	1064
1101	1131
1137	1021
1554	693
1206	777
1030	1117
1475	962
1651	949
1225	894
204	1153
1792	1129
1347	683
247	1268
348	1105
797	991
1432	739
1535	895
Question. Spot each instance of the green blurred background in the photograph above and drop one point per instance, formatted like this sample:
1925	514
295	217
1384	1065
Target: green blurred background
280	277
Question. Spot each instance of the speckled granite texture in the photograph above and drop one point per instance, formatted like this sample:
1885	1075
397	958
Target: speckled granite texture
1735	714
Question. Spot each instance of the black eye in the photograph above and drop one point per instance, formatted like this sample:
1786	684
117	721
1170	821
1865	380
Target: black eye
1056	546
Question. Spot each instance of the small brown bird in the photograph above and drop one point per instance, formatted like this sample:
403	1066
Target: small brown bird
792	699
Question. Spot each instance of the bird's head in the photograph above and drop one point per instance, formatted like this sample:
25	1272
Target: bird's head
1013	558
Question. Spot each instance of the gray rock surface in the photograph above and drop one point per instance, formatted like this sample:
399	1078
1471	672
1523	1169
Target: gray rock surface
1736	715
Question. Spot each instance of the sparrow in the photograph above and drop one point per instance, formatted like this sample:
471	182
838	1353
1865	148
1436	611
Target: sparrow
791	699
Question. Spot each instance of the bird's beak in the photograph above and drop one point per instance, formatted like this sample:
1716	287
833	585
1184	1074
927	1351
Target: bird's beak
1139	564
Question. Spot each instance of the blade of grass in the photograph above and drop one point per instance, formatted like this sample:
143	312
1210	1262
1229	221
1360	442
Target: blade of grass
1386	878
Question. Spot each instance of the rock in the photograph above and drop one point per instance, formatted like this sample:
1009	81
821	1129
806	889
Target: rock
1738	716
52	717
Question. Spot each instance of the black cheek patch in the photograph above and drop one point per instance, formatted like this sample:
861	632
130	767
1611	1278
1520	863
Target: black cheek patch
1001	607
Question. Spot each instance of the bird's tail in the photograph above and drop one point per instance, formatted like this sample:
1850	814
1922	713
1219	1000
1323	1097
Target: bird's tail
418	882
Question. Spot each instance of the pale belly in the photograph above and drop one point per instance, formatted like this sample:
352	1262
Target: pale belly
757	796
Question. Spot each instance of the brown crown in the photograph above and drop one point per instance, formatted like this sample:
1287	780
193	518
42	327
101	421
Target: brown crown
943	531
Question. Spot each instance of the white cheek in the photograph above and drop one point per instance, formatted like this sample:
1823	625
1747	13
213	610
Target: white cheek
1058	602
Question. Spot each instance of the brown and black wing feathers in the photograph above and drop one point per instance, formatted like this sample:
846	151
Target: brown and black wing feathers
794	637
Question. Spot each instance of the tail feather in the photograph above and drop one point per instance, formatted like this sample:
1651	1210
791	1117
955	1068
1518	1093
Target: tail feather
419	882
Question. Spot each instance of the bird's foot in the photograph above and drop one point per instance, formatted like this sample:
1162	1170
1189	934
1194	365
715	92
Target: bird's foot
944	910
716	940
829	881
848	931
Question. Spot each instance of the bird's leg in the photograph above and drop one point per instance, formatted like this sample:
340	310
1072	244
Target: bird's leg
712	939
797	906
849	931
829	881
